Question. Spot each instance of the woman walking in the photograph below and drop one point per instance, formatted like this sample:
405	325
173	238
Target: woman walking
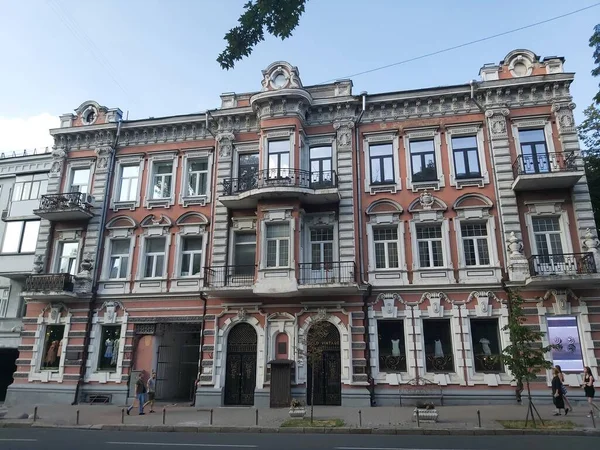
588	388
561	375
557	395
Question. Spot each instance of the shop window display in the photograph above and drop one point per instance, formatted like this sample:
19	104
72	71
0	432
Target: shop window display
564	334
439	357
392	350
486	345
109	348
53	347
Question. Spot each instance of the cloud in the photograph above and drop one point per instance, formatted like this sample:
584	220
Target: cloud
19	133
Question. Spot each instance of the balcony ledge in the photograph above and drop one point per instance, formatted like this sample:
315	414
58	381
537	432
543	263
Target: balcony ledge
250	198
551	180
565	279
70	206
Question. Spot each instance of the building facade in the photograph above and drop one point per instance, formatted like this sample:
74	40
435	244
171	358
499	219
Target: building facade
23	180
206	246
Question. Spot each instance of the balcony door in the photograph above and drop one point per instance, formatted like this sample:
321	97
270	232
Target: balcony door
321	174
549	247
80	180
534	151
247	172
322	269
279	160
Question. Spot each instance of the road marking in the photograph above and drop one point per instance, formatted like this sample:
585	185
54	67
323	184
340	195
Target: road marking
386	448
18	440
168	444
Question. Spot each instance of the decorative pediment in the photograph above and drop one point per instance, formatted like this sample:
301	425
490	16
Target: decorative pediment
561	300
472	206
384	211
54	312
320	220
483	298
281	75
427	208
192	223
520	62
155	225
389	308
111	310
436	308
280	316
121	226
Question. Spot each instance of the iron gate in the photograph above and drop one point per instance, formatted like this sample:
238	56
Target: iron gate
240	378
327	383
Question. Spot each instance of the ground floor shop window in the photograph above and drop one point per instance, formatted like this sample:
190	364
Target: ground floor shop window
52	347
438	345
109	348
564	334
392	351
486	345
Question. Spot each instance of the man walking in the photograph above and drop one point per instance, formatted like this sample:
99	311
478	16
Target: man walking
151	391
140	395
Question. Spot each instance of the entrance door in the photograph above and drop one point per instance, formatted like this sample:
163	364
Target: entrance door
281	380
321	255
324	339
240	377
548	243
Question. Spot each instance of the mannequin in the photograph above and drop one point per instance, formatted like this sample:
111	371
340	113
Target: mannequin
395	347
485	344
438	352
108	353
51	354
113	360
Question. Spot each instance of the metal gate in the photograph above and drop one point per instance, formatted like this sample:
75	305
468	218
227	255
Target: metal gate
240	378
327	382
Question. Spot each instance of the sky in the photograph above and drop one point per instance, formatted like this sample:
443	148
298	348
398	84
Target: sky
158	58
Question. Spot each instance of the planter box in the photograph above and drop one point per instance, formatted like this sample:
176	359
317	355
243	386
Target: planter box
425	415
297	412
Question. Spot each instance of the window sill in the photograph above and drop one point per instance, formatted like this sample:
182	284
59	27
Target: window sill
125	204
425	185
428	275
159	202
376	188
478	181
200	200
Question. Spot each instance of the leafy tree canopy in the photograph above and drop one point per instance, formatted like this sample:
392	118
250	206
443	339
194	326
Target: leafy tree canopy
279	17
595	44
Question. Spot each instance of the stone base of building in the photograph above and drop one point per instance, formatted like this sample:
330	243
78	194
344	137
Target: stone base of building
39	394
209	397
116	394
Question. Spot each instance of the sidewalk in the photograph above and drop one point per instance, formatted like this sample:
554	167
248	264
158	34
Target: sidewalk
452	419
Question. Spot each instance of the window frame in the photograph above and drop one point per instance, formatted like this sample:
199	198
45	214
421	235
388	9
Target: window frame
278	240
71	179
417	256
42	188
182	252
159	180
187	159
110	256
234	246
422	156
466	130
376	139
533	123
321	182
386	243
21	236
155	161
475	240
381	159
165	254
548	208
58	255
421	134
120	163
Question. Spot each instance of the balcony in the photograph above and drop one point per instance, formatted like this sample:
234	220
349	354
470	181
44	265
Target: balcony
67	206
312	187
230	279
566	269
58	286
546	171
321	277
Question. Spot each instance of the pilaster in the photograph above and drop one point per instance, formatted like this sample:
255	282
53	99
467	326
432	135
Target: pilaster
220	223
345	174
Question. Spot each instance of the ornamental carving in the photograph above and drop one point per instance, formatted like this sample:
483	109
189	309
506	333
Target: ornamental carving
225	145
497	122
103	157
426	200
514	246
590	242
344	133
564	116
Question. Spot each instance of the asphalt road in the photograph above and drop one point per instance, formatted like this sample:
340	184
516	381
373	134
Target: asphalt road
46	439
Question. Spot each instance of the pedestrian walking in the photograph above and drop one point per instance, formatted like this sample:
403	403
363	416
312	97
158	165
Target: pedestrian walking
589	390
561	375
557	395
140	395
151	385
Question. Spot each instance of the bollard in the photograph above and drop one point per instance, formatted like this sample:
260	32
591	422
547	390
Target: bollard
593	419
123	415
211	417
418	423
257	417
164	415
479	418
35	413
359	418
77	418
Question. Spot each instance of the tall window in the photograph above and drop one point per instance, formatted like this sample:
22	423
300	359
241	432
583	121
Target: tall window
546	231
244	253
320	166
534	151
437	335
386	247
486	345
21	236
247	172
53	345
278	245
155	257
392	349
162	177
475	244
109	348
119	258
321	247
381	163
422	157
279	159
429	241
191	256
67	257
130	176
197	181
466	157
29	187
80	180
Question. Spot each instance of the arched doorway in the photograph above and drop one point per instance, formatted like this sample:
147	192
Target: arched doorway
324	343
240	377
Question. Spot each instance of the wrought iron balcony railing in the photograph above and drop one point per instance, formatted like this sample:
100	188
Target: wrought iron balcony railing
488	363
562	264
327	272
280	178
392	364
545	163
55	282
232	276
439	363
64	201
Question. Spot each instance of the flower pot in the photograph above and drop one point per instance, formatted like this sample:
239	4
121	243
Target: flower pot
297	412
425	415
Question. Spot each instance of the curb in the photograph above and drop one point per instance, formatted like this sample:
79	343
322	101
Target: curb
292	430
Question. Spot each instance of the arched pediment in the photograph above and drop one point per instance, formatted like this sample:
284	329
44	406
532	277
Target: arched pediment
121	222
427	202
469	201
384	207
153	221
192	218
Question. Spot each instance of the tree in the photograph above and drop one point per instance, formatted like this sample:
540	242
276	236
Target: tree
589	133
524	357
595	44
279	17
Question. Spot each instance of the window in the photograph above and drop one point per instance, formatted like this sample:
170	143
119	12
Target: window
279	159
129	183
244	253
197	181
564	333
119	258
321	247
278	245
429	242
320	166
475	244
466	157
4	297
155	257
486	345
53	345
247	171
392	349
67	257
382	163
109	348
438	345
386	247
80	179
191	256
546	231
21	236
422	157
534	151
29	187
161	180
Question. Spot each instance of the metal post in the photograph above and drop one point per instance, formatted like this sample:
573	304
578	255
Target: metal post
593	419
359	418
77	418
479	418
257	417
35	413
418	423
123	415
164	415
211	417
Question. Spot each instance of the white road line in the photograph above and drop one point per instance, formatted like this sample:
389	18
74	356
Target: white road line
18	440
173	444
387	448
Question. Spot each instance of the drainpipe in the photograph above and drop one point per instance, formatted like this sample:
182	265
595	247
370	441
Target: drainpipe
96	272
